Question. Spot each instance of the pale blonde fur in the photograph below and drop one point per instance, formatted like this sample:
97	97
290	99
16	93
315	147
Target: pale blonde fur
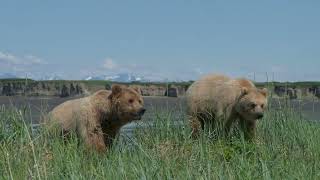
220	98
96	119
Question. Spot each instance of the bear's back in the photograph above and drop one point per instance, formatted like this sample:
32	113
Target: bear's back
68	113
245	83
212	92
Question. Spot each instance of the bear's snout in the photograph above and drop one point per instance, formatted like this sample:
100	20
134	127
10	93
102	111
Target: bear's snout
259	115
142	111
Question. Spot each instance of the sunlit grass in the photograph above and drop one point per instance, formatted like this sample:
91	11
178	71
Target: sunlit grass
287	147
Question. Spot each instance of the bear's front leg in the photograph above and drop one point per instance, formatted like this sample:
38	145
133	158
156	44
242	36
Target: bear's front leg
227	127
95	140
249	129
196	126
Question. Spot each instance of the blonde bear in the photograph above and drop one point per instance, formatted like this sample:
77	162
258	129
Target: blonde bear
217	101
97	119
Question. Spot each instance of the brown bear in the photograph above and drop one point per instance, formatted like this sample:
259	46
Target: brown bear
217	100
97	119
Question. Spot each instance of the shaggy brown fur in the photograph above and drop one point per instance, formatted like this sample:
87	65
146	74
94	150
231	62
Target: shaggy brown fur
217	99
97	119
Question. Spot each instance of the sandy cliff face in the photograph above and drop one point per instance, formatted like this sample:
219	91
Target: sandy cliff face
163	90
69	88
41	89
297	92
75	88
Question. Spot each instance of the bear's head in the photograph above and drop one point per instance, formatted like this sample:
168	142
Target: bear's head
252	103
127	102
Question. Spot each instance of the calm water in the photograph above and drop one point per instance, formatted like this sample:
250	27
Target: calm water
37	106
154	105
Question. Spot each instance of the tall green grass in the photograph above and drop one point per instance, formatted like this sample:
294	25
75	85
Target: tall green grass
287	147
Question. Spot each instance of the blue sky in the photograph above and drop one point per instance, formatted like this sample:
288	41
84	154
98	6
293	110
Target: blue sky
161	39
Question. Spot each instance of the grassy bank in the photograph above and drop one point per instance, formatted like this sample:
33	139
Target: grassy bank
288	147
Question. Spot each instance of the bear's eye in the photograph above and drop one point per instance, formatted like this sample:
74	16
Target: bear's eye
140	102
131	101
262	106
253	105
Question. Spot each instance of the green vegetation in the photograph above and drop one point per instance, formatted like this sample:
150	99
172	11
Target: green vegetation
290	84
184	84
15	80
287	147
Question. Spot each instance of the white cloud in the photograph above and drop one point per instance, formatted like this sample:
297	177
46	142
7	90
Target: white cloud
8	58
14	60
22	65
109	64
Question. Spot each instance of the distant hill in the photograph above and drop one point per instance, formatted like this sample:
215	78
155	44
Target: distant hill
7	76
11	86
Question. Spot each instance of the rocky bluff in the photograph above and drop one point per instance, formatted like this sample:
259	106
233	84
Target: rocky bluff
21	87
40	88
16	87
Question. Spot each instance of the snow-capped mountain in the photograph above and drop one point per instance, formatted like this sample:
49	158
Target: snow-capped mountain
125	77
49	78
116	78
122	77
88	78
54	78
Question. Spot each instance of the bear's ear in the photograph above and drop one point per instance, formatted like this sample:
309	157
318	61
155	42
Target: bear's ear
137	89
115	90
264	92
244	91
